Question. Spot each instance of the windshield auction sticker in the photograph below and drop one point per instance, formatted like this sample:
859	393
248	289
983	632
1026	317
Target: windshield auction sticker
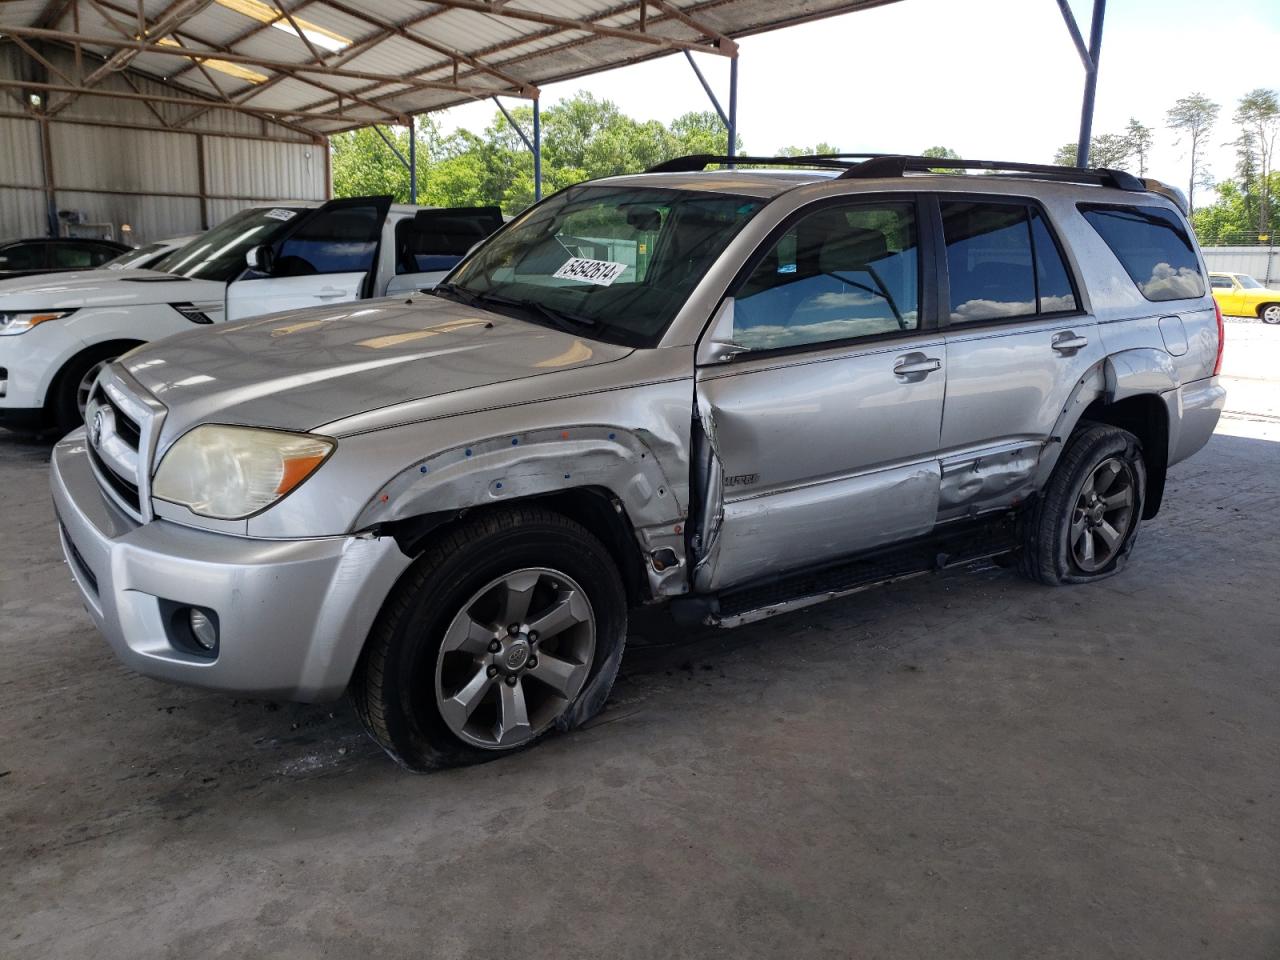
279	213
600	272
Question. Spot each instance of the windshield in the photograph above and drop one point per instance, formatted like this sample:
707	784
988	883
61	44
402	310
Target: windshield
610	262
134	258
219	254
1248	282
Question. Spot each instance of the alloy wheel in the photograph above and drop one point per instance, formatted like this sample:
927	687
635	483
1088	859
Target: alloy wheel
1103	514
514	658
86	385
1271	314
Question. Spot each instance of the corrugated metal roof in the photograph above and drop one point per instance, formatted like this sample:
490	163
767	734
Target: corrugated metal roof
355	63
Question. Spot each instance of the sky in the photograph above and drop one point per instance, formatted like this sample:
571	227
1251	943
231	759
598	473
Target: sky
992	79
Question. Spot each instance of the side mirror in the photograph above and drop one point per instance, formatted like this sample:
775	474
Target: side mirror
260	259
717	345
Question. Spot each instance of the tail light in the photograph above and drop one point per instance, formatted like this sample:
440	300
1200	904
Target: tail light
1222	339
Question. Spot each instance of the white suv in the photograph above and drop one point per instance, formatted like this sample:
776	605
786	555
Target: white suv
56	333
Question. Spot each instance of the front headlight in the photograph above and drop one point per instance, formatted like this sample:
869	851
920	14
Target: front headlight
229	473
20	321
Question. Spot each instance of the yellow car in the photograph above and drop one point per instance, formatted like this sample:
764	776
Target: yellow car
1239	295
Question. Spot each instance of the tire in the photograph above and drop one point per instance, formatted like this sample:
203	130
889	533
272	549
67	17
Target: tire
70	389
1269	313
1063	541
431	689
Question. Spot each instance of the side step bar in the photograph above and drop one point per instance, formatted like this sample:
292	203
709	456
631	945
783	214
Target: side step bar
974	540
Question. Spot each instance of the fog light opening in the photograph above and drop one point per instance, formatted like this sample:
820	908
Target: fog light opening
203	629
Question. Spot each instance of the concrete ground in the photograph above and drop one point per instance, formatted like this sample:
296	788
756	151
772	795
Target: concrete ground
964	766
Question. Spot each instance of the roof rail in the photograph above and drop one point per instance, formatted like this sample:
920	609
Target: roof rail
864	166
897	166
700	161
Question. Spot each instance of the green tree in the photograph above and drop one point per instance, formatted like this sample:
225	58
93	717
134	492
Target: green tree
942	153
1258	114
1193	117
1105	150
1140	139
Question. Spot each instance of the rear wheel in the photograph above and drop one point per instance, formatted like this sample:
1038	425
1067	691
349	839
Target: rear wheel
1086	521
1269	312
508	627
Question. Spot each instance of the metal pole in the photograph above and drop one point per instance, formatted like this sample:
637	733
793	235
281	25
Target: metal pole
413	162
537	151
733	106
1090	83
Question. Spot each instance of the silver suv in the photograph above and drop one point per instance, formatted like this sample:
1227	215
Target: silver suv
736	391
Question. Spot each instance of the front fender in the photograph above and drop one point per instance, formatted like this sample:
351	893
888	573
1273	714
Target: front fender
536	463
506	467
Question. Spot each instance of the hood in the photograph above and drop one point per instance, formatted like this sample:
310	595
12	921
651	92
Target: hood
103	288
304	368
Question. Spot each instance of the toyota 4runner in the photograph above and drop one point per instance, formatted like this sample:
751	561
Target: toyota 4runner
736	391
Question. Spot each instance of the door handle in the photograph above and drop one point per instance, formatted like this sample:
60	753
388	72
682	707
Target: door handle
916	366
1069	342
328	293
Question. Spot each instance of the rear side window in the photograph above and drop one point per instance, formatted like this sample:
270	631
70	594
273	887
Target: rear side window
1152	246
1002	263
437	239
23	256
1220	283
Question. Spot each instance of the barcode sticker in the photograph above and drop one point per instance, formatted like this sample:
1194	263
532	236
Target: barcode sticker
600	272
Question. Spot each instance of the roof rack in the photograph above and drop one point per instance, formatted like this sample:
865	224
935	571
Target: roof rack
864	166
700	161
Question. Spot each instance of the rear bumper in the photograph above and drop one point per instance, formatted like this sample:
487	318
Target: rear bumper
1194	409
293	615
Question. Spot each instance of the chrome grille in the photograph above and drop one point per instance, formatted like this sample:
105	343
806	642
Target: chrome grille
122	423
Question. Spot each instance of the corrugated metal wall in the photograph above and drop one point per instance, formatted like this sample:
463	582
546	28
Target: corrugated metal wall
1262	263
148	179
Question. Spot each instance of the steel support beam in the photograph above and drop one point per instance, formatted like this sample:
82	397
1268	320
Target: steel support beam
534	145
537	150
730	119
1089	57
413	162
733	108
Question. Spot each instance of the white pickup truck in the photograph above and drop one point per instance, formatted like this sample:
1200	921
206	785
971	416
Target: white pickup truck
57	332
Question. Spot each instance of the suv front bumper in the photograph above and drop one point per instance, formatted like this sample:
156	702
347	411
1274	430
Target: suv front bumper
292	615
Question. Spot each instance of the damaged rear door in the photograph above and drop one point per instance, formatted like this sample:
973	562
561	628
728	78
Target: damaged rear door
820	394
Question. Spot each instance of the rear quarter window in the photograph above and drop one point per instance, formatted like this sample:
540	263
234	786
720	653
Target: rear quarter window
1154	248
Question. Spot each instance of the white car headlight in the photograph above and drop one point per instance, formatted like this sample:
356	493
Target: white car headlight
229	473
13	322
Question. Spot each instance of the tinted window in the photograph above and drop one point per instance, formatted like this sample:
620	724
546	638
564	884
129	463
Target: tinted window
80	256
337	241
23	256
1054	292
438	239
1220	283
1003	262
1153	247
989	261
839	273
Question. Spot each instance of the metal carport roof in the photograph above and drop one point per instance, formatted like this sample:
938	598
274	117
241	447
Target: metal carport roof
323	66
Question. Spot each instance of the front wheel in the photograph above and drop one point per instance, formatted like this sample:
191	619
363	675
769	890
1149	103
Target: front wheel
1085	523
70	394
1270	313
506	628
